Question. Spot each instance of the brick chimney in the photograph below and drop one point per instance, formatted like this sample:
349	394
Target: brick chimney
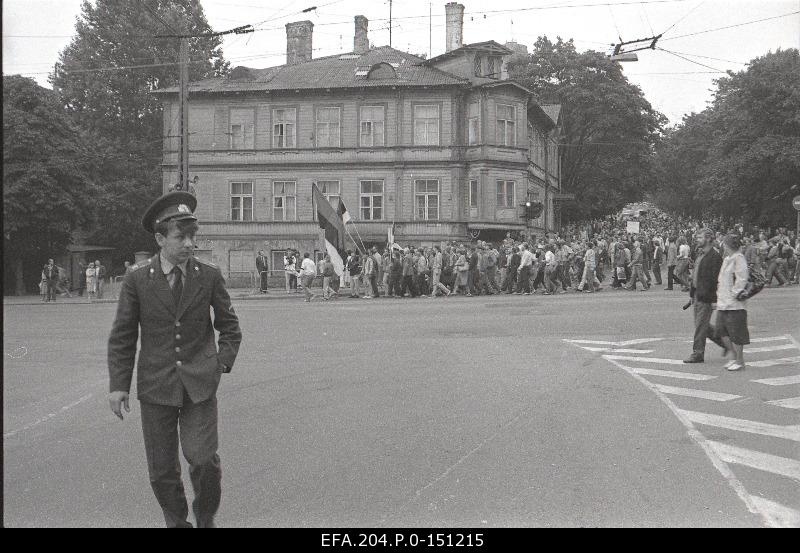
454	25
360	40
298	41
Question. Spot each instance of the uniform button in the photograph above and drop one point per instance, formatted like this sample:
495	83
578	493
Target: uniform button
177	336
178	363
177	323
177	350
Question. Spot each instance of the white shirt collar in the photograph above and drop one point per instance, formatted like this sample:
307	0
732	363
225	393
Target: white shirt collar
166	266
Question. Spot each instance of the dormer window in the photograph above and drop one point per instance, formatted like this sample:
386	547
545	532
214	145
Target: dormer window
490	70
477	65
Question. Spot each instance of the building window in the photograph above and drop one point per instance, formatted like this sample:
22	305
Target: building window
283	127
490	68
477	66
241	201
327	130
241	129
372	128
332	190
371	200
426	125
284	200
276	256
505	194
473	193
506	125
240	261
472	127
426	194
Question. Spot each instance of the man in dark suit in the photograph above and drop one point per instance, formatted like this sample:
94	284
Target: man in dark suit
703	292
179	365
51	275
263	270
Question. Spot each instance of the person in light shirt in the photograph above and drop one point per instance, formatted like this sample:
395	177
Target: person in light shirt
731	311
308	270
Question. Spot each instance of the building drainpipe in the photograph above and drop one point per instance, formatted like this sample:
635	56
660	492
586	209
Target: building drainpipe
546	182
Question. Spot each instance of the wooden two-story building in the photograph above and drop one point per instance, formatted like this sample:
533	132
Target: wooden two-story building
445	149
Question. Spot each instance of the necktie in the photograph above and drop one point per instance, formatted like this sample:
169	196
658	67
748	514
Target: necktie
177	285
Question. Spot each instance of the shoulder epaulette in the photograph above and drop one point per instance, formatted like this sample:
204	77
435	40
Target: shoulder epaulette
206	263
142	264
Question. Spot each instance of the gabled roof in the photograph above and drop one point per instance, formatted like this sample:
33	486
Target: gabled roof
489	46
553	111
338	71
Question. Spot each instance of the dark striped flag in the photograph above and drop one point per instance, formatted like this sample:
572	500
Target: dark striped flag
332	223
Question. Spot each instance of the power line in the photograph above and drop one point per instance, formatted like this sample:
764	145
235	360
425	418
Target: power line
732	26
684	17
691	61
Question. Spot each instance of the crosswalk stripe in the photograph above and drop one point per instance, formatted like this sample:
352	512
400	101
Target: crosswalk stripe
757	460
769	339
789	402
673	374
691	392
770	348
644	359
789	432
779	516
617	350
774	362
617	344
602	342
779	380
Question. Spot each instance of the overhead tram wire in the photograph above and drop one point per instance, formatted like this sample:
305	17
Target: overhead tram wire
690	60
682	18
732	26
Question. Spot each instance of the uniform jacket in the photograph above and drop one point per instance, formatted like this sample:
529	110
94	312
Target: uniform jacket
177	345
261	263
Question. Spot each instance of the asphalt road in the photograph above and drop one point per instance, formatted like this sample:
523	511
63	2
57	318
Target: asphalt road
430	412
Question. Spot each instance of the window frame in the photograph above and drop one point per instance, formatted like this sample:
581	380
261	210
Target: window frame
505	124
241	197
438	119
427	194
317	123
473	194
361	121
248	143
508	204
371	195
283	122
284	196
477	66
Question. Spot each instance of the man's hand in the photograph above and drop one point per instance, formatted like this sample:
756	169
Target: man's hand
116	400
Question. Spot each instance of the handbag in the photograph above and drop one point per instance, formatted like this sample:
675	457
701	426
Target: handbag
755	283
621	273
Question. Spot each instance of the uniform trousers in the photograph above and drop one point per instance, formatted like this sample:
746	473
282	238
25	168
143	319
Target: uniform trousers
195	425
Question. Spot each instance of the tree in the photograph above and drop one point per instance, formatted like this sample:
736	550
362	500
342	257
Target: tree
48	191
609	128
105	78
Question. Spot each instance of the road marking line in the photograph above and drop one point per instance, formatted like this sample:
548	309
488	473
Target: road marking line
780	380
770	348
644	359
789	402
789	432
774	362
617	344
47	417
757	460
691	392
617	350
673	374
770	339
703	443
780	515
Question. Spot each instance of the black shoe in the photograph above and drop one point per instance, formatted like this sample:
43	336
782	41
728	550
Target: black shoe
694	358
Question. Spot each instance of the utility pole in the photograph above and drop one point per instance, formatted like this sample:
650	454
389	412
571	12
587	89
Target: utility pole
390	23
183	99
430	30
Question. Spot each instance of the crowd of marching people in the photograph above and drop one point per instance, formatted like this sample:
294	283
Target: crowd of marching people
554	264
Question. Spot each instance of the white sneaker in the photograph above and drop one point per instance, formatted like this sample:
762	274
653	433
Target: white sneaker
735	367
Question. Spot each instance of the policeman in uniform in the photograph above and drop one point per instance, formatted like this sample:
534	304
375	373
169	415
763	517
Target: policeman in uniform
180	365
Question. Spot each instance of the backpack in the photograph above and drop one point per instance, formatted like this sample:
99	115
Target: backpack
755	283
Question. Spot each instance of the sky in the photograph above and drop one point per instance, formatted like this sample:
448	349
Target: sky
676	82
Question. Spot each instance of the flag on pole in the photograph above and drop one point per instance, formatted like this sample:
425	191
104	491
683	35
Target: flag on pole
343	212
332	223
390	237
